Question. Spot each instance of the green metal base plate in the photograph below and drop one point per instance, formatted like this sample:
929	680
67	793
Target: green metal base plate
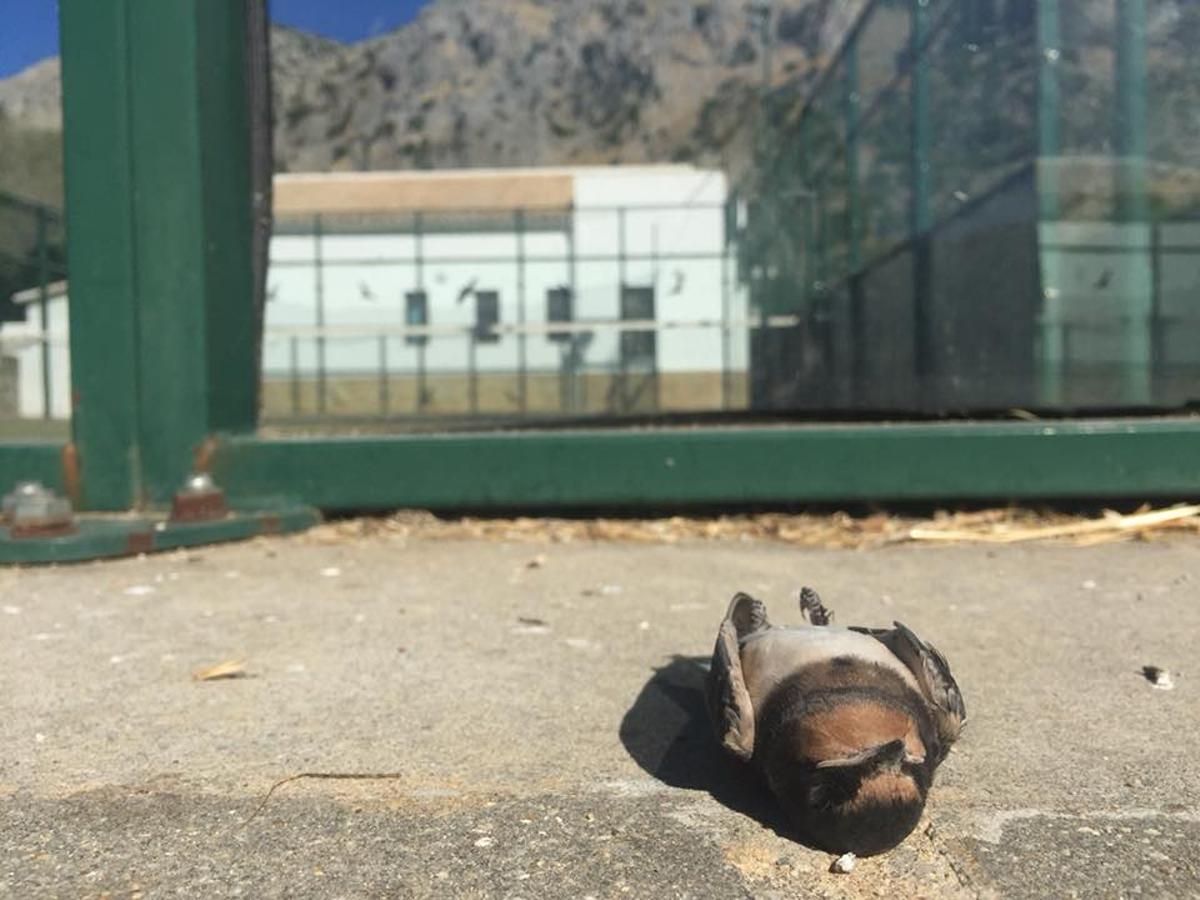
104	537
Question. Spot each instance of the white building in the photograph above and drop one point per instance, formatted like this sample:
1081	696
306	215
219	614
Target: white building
35	357
522	278
486	261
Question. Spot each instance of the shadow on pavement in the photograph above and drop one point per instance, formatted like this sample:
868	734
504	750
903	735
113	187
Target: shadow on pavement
667	732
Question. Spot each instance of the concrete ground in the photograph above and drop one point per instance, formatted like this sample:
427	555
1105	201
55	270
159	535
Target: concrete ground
540	723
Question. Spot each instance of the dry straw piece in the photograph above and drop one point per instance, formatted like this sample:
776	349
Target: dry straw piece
833	530
231	668
1110	526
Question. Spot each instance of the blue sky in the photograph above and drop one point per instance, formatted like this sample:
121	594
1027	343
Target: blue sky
29	28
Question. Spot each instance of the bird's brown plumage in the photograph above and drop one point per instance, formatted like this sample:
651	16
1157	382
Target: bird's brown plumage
846	725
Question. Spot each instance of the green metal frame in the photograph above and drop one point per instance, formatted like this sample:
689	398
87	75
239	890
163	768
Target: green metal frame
158	182
158	194
157	162
724	465
107	536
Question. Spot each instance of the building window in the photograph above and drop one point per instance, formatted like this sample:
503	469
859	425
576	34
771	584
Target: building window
487	316
416	312
559	308
639	349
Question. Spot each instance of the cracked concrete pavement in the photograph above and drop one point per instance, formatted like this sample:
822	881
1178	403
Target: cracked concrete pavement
537	711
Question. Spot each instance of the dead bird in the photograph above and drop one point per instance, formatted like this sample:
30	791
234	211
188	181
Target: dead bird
846	725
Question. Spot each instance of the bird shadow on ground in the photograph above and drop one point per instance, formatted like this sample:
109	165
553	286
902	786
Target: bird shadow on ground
667	732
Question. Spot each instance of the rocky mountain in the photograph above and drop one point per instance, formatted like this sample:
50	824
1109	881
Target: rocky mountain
544	82
516	82
32	97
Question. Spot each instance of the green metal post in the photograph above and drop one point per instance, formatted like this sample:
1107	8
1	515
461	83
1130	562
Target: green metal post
522	374
851	104
191	201
822	228
922	125
1052	326
319	311
419	275
924	364
621	247
726	336
294	361
98	163
44	309
472	373
573	342
158	190
1132	129
1133	210
225	208
808	237
383	376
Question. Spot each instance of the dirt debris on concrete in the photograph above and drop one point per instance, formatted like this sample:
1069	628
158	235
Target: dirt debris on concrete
837	530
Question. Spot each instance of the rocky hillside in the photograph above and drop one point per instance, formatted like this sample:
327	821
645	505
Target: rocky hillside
542	82
514	82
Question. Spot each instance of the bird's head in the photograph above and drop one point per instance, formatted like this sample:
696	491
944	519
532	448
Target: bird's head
863	801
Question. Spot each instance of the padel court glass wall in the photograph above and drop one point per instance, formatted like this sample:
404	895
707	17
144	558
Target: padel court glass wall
986	206
961	262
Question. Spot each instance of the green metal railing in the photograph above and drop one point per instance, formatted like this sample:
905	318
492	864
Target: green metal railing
855	229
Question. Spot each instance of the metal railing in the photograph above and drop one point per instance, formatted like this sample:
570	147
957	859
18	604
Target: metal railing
338	344
900	200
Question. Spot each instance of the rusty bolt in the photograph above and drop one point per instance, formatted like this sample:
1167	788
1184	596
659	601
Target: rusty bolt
200	500
34	510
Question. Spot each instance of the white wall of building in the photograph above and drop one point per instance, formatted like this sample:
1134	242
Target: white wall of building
670	222
23	341
678	252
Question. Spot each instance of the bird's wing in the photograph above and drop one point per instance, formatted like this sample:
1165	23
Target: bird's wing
728	699
933	675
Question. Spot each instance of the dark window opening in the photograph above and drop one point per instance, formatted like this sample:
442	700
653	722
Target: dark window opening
559	308
416	313
638	348
487	317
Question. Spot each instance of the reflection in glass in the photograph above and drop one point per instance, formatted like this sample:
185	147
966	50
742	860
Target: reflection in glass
930	208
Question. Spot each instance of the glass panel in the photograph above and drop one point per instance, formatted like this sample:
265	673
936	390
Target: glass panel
35	377
982	84
934	208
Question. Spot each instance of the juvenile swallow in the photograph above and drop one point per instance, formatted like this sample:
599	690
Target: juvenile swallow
845	725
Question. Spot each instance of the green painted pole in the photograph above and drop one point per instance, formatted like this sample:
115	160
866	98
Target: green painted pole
44	310
158	169
383	376
1132	127
294	361
575	341
1051	324
98	153
726	336
921	217
821	268
522	338
851	105
419	266
808	237
1133	208
319	309
921	213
